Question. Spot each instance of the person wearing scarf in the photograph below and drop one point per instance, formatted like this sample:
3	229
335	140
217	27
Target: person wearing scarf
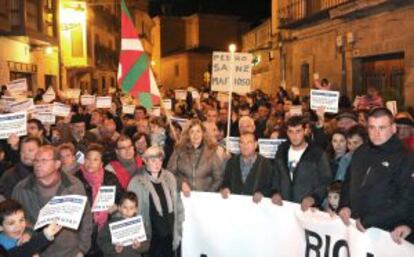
160	204
93	176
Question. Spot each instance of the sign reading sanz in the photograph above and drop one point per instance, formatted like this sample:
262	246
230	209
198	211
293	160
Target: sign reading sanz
324	246
242	72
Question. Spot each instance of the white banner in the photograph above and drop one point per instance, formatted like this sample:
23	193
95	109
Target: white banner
324	98
18	88
14	123
238	227
105	199
167	104
242	72
128	108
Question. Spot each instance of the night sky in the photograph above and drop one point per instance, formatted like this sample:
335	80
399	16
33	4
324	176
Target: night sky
254	11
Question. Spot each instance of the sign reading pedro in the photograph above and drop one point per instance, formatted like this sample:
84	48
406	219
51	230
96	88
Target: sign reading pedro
242	72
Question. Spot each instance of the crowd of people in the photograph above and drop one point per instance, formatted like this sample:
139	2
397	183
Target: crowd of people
355	164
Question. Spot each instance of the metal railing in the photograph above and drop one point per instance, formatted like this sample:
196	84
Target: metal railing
296	10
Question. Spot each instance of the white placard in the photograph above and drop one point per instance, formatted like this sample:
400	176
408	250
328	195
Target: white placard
206	95
156	111
234	145
181	121
103	102
126	231
72	93
25	105
80	157
14	123
87	99
18	88
242	72
324	98
60	109
392	106
45	117
167	103
105	198
66	210
43	108
128	109
268	147
295	110
195	94
180	94
213	226
49	95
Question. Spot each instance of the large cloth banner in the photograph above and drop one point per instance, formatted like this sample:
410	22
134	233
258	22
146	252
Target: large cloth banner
217	227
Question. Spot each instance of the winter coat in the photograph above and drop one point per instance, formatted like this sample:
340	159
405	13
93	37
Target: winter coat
258	180
311	175
202	174
377	189
140	185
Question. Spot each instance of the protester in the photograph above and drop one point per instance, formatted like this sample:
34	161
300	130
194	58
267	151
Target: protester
302	171
126	164
376	192
160	204
13	224
38	188
67	156
93	176
128	208
28	150
195	162
248	173
339	159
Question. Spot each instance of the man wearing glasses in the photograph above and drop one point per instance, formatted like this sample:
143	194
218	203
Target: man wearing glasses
126	164
37	189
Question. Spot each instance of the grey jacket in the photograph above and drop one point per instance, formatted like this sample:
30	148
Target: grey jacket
140	184
68	242
202	174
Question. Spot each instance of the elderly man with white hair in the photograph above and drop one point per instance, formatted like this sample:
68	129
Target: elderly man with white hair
246	125
159	204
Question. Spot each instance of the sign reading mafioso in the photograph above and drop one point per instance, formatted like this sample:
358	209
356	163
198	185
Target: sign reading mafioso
242	72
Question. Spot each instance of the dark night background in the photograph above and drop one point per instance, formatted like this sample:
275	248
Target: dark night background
253	11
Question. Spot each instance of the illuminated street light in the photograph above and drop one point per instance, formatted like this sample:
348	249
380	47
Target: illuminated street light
232	48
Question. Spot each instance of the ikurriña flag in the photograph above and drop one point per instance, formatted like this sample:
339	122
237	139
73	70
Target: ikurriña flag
134	72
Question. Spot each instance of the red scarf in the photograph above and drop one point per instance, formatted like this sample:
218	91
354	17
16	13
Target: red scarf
95	180
122	174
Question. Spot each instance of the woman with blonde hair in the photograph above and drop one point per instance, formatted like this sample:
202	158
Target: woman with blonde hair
195	162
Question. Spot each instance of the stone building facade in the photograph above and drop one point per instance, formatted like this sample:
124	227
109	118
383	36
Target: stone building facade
353	43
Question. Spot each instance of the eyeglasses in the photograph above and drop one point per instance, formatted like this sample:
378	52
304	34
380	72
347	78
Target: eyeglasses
42	161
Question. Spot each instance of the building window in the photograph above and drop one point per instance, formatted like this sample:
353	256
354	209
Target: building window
304	75
177	70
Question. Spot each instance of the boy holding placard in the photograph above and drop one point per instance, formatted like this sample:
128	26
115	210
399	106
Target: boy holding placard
13	225
128	208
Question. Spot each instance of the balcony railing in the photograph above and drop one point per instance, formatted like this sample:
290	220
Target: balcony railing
296	11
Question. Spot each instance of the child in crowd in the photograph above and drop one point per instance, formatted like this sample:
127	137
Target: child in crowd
339	160
13	224
128	208
334	195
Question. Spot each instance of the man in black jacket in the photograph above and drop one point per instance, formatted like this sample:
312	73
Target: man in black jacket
376	190
248	173
301	169
22	169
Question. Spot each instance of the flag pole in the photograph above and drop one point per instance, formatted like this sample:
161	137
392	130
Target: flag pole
232	49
